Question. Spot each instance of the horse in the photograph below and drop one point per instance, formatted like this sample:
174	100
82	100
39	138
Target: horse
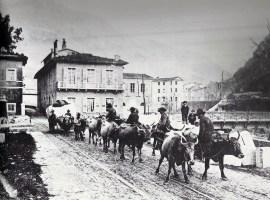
108	132
65	123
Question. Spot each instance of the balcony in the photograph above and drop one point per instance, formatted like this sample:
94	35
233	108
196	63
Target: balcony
61	85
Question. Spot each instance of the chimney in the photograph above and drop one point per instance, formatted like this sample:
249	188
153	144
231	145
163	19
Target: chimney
55	47
64	44
116	57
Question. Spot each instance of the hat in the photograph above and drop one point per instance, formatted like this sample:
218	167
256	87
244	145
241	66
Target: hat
68	110
132	109
184	101
162	109
200	111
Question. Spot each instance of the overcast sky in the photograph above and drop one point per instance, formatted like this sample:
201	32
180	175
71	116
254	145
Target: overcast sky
195	39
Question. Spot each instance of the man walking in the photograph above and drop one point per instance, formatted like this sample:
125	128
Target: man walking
205	133
184	111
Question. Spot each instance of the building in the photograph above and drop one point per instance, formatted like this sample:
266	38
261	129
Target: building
168	92
11	82
138	92
88	81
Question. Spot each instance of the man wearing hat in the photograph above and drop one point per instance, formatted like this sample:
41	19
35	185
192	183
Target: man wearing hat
68	113
164	123
52	121
111	113
133	118
205	133
184	111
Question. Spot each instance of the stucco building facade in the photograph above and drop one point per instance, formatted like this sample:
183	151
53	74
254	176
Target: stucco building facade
137	92
11	82
88	81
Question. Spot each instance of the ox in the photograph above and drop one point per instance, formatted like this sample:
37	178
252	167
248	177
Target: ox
133	136
94	127
108	132
218	149
177	151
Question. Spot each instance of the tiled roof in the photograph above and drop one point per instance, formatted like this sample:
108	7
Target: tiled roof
169	78
80	58
85	58
136	76
14	57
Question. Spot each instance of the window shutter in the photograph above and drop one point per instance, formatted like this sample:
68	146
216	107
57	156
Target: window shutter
65	76
84	105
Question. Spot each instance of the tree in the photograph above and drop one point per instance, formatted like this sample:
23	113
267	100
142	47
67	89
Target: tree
9	36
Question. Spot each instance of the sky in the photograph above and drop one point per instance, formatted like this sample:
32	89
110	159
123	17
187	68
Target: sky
193	39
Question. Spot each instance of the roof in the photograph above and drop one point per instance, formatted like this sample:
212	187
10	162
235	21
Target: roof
80	58
136	76
169	78
14	57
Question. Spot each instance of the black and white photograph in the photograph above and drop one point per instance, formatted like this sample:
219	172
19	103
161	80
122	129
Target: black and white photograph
134	99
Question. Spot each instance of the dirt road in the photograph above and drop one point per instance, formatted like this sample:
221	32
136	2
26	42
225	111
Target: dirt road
103	176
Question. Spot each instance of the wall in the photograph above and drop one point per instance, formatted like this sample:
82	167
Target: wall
135	99
12	89
100	100
168	91
47	89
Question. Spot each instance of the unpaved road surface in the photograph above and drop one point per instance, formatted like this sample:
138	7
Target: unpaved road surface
77	170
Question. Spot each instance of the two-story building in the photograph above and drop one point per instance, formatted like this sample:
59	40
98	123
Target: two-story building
88	81
138	92
168	92
11	82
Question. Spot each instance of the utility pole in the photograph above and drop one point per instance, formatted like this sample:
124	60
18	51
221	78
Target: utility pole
221	85
143	91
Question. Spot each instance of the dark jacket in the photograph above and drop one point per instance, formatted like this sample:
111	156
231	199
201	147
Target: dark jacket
206	130
52	119
192	118
111	114
133	118
164	123
184	110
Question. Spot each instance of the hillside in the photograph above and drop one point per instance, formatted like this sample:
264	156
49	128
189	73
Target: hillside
255	74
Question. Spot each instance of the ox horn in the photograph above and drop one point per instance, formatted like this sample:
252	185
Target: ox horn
182	140
238	135
197	141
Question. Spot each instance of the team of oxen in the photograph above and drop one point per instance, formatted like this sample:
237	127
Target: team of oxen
177	146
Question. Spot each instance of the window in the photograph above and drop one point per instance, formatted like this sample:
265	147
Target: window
163	90
72	75
158	83
171	99
11	74
71	100
11	107
142	87
175	89
91	76
90	105
158	99
163	99
171	89
175	82
132	87
175	98
158	90
171	82
109	75
163	82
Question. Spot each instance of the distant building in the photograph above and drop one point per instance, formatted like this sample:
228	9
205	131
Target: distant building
88	81
11	82
138	90
30	97
168	92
